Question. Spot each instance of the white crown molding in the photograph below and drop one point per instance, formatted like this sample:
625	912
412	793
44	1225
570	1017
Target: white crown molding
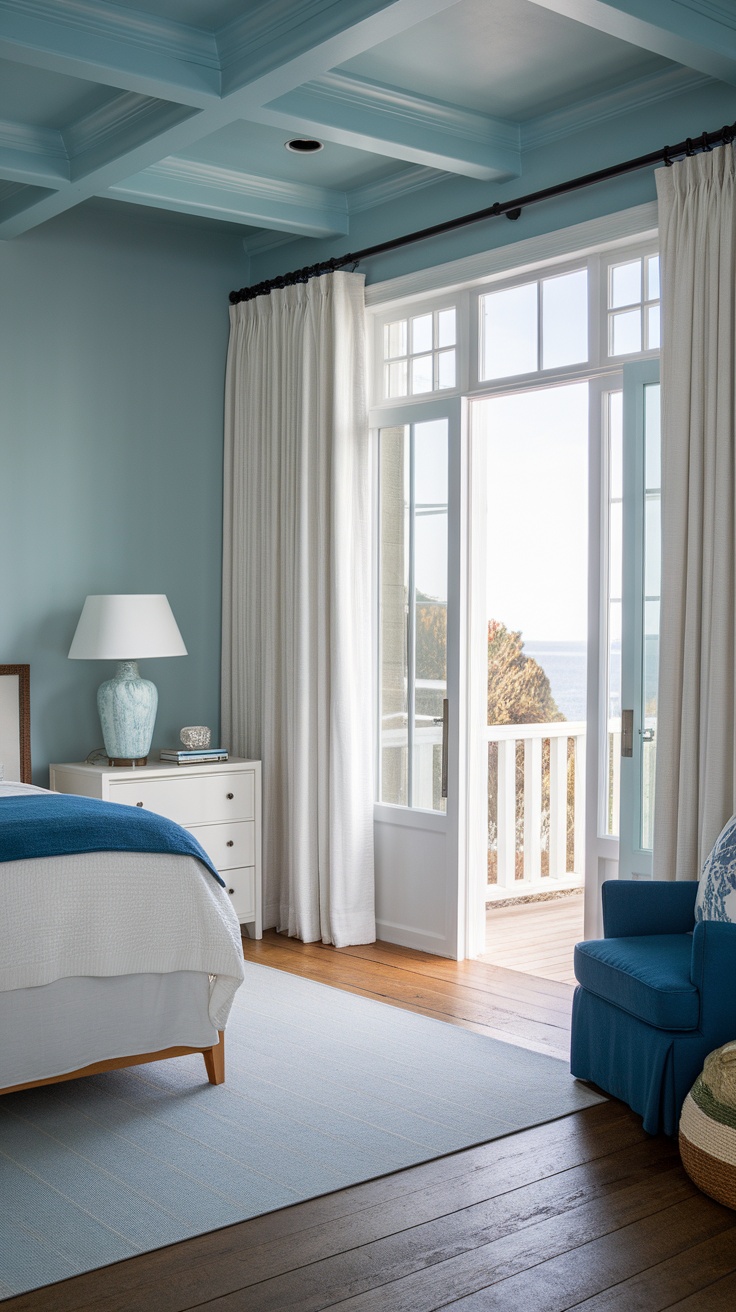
46	142
125	121
390	189
608	230
631	98
195	188
160	36
193	172
360	94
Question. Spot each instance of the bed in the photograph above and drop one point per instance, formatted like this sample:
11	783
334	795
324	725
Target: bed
108	958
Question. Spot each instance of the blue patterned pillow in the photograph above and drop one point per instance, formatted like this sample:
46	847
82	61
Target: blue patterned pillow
716	899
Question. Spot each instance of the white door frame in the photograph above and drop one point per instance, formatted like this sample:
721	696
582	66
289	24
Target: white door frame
426	908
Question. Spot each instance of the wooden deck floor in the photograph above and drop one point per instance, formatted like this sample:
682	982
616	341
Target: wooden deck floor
536	937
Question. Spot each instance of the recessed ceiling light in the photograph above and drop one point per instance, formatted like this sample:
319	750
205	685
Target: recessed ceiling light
304	146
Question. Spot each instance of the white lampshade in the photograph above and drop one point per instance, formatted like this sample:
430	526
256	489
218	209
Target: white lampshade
126	627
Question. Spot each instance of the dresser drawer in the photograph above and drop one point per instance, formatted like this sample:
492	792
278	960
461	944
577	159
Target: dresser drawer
228	846
241	886
200	799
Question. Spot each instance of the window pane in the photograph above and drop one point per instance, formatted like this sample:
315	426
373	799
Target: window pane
421	374
446	327
614	560
509	332
421	333
394	339
625	284
652	545
565	319
615	433
626	333
394	592
653	278
653	328
613	734
446	369
430	610
396	378
653	474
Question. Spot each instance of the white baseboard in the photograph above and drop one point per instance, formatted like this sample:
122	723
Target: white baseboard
406	937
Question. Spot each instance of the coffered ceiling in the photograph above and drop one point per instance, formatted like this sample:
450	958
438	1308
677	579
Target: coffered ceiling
186	105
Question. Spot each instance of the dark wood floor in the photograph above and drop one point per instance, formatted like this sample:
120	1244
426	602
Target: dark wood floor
586	1212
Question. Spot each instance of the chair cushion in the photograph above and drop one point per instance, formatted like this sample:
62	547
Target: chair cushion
647	976
716	899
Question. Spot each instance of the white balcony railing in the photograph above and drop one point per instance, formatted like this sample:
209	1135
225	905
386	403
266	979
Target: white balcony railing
534	817
542	826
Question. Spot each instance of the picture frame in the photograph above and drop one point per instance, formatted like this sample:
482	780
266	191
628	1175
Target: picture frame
15	723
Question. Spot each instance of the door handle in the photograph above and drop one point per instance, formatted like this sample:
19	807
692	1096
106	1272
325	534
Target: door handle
445	705
647	735
627	733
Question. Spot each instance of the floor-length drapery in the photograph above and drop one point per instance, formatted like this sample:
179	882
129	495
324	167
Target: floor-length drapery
297	662
696	719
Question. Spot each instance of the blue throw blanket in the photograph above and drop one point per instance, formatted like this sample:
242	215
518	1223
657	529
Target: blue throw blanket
58	824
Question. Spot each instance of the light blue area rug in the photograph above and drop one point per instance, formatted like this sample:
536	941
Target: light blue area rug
323	1089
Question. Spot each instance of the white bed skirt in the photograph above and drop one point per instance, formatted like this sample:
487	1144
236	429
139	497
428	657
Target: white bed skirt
60	1027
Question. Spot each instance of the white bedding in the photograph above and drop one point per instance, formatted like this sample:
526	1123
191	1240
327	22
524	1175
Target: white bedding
117	913
78	1021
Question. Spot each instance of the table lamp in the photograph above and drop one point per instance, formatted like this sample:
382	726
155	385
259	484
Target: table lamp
127	628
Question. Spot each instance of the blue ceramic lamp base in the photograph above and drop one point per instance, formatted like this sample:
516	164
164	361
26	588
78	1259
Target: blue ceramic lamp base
127	705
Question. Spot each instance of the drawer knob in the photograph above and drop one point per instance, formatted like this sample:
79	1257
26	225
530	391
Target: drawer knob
231	890
139	804
230	843
230	796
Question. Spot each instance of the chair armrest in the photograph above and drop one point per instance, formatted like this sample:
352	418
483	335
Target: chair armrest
713	972
646	906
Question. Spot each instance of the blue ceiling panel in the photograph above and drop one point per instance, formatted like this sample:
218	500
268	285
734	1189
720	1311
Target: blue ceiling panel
184	106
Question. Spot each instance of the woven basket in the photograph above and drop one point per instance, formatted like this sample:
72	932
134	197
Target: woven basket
708	1127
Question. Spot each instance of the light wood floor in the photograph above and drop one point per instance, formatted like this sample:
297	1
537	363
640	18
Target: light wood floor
536	937
586	1212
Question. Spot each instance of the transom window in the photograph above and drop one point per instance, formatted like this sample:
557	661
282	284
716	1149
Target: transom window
534	326
419	353
633	306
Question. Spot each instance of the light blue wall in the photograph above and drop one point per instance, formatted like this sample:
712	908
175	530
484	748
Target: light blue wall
646	128
113	336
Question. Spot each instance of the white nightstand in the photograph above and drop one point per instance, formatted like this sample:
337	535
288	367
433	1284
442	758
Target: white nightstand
220	802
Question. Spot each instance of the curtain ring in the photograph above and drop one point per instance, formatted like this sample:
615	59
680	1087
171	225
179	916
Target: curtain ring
666	157
689	148
704	143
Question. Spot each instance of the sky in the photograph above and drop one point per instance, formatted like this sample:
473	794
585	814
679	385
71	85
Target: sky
537	530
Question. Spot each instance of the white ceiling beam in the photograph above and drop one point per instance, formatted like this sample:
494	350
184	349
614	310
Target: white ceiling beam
388	121
106	44
701	34
194	188
308	37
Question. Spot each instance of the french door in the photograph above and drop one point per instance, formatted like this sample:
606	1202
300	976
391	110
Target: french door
421	481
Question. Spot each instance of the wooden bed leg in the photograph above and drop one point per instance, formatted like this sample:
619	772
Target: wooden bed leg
214	1060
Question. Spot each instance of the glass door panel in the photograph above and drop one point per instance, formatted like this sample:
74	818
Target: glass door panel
413	587
641	595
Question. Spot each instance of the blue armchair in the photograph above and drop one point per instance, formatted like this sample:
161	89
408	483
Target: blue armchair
654	997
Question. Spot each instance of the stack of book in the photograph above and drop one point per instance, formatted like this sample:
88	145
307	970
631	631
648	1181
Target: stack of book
197	756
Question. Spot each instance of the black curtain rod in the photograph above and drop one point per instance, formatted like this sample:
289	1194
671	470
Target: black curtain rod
511	208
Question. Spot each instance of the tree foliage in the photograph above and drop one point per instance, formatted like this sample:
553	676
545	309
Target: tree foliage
519	691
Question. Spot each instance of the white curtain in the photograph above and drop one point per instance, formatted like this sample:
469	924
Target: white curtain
297	656
696	722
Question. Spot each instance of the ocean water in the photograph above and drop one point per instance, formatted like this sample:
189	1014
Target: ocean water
564	663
